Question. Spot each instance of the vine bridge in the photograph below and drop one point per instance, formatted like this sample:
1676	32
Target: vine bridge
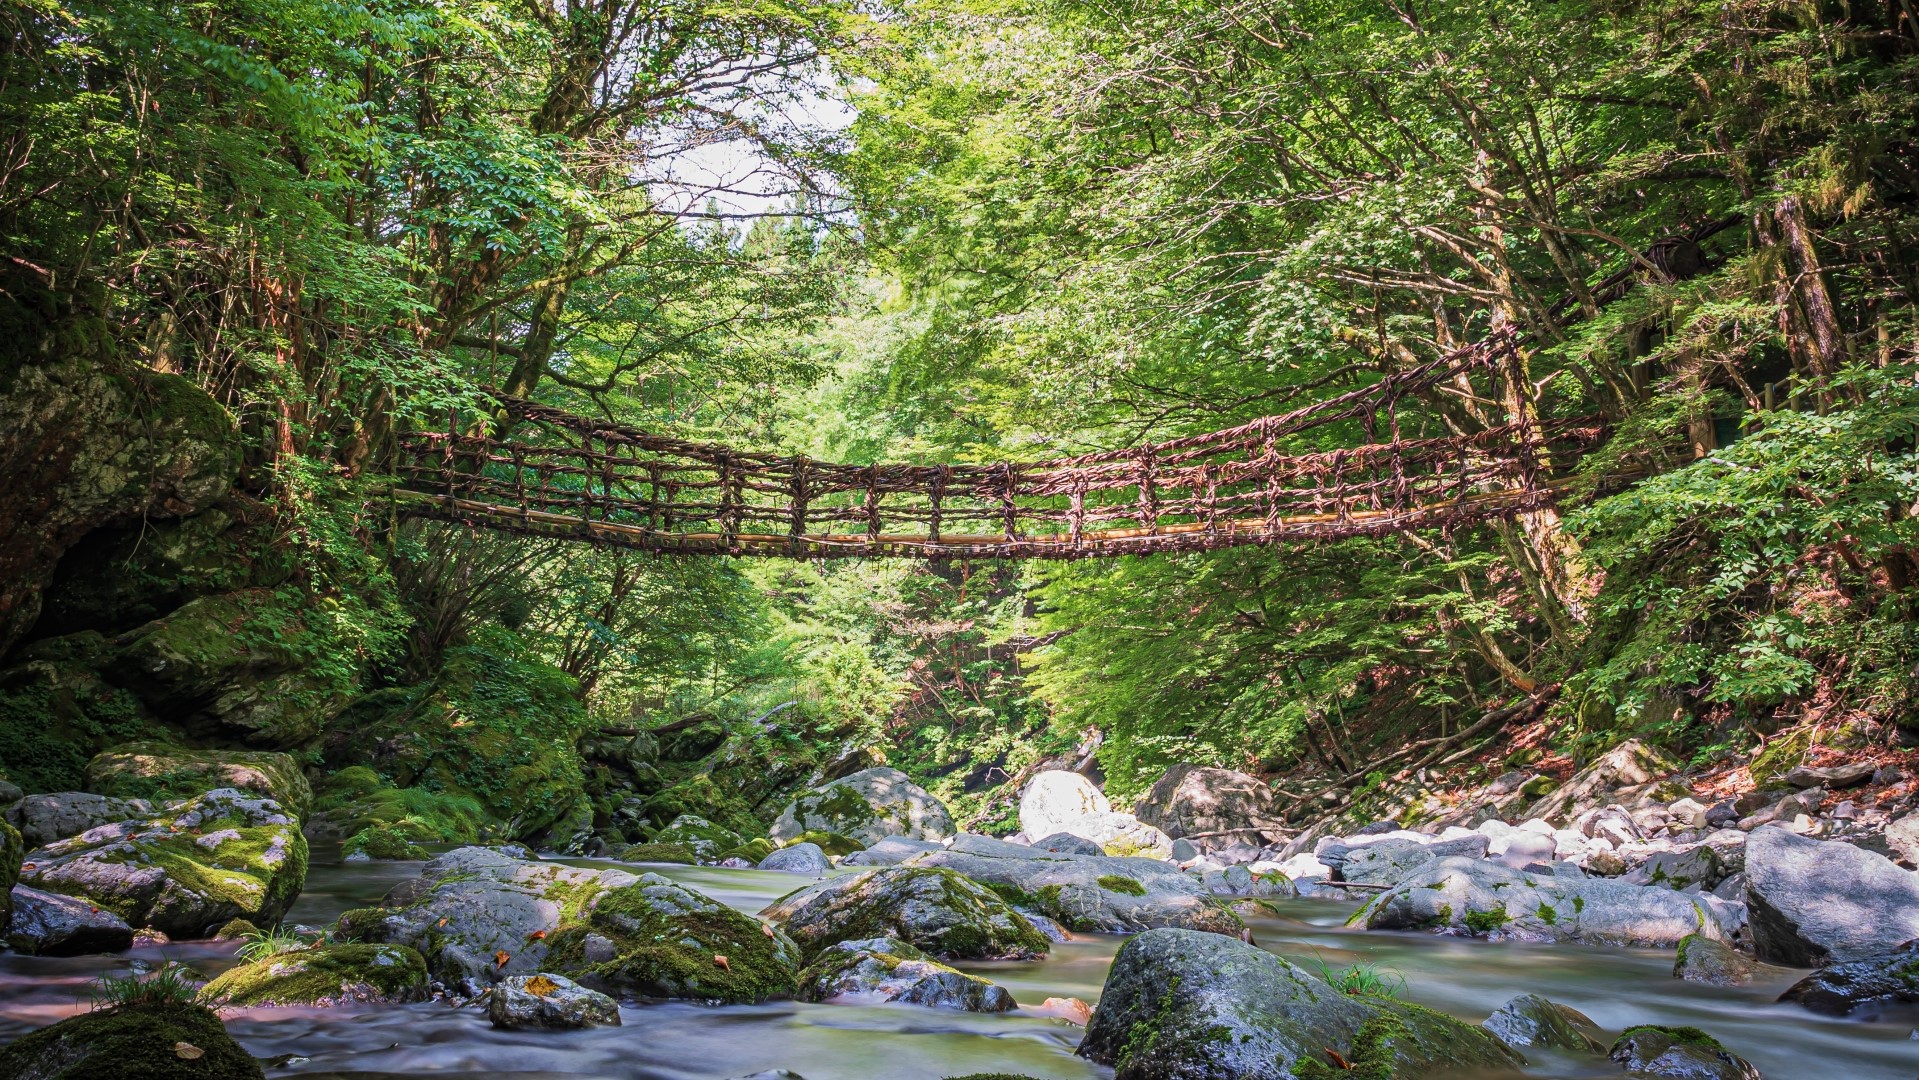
572	477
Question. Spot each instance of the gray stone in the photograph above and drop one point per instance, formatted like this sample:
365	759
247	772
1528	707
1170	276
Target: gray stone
936	911
893	971
1180	1004
1242	881
893	851
1054	798
1531	1020
1183	851
1065	843
1122	834
1678	1053
1712	962
472	903
868	806
1630	765
1902	840
1831	777
549	1001
1524	849
1694	868
185	871
1214	806
1102	894
705	838
42	819
1816	902
805	858
1865	986
48	924
1387	862
1485	897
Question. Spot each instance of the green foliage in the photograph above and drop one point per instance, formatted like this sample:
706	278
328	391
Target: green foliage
164	984
1362	978
261	944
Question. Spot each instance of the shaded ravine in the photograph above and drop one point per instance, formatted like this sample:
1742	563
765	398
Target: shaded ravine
676	1041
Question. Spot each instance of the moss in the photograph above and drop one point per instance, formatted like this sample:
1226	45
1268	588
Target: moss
131	1042
327	975
754	851
357	798
236	930
1373	1056
1118	884
1144	1034
830	842
357	922
1485	922
166	773
939	911
659	853
1547	915
668	940
703	797
1691	1036
56	712
381	840
1783	754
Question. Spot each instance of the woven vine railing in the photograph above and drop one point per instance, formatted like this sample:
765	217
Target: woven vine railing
568	476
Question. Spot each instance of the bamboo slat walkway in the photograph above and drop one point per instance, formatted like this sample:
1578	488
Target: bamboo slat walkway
569	476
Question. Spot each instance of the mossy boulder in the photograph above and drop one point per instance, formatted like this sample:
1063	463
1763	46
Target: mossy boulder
830	842
867	806
328	975
160	773
1681	1053
357	799
476	914
57	710
706	798
383	841
1102	894
11	853
705	838
1701	959
1531	1020
170	1041
88	440
187	870
682	854
659	939
551	1002
936	911
889	970
753	851
497	727
244	666
1179	1003
1864	987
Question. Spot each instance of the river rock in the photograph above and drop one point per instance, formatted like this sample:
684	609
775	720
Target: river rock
1102	894
1217	806
1866	985
155	771
1831	777
1523	849
1682	1053
1065	843
705	839
1816	902
1243	881
890	970
1531	1020
1387	862
868	806
1054	799
49	924
1695	868
937	911
552	1002
802	858
1715	963
1190	1005
1902	841
656	938
1483	897
42	819
131	1042
472	904
324	976
1630	769
1122	834
224	855
893	851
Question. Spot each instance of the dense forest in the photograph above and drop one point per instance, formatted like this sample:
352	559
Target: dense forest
248	247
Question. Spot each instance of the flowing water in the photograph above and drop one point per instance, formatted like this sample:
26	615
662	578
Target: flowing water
674	1041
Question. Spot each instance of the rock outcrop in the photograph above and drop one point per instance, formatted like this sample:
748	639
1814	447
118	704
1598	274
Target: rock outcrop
49	924
1864	986
655	938
163	771
42	819
1216	807
1054	799
132	1042
1183	1004
1531	1020
889	970
1092	894
188	869
868	806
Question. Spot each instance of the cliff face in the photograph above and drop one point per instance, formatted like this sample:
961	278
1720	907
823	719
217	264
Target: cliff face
88	440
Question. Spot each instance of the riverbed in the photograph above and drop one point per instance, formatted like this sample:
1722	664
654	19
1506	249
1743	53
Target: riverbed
675	1041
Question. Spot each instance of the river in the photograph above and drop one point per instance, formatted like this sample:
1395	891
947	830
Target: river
674	1041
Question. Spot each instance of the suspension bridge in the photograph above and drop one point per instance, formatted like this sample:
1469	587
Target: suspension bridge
568	476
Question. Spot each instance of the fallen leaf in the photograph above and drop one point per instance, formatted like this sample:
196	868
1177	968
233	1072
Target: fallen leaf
721	961
26	867
537	935
501	958
442	924
186	1051
766	929
1337	1060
